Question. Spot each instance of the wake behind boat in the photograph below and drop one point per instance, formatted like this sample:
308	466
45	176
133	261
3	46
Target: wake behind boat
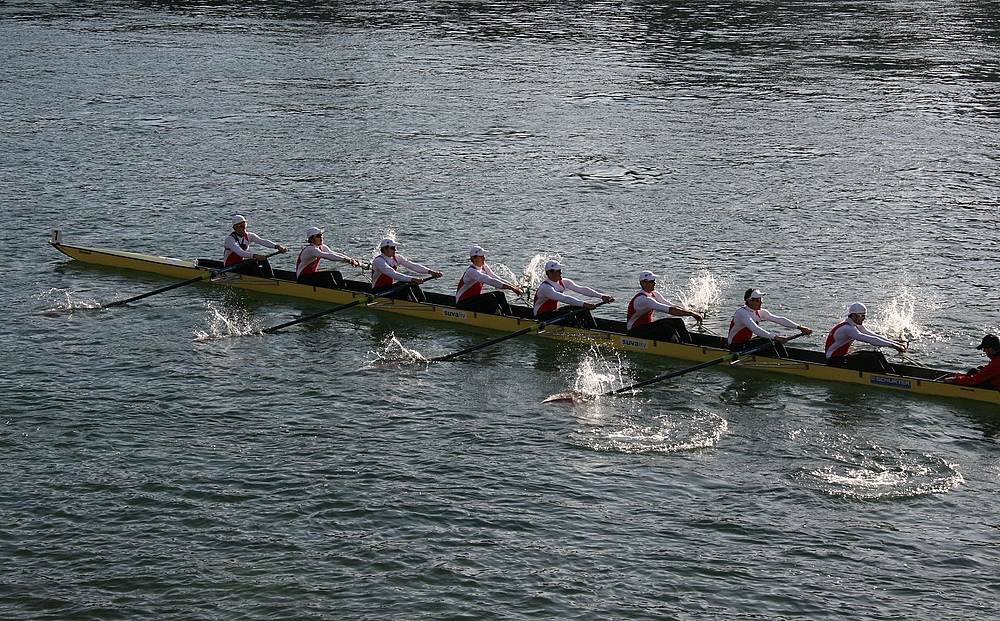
439	307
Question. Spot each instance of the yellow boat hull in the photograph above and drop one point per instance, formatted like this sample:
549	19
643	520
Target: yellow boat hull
185	269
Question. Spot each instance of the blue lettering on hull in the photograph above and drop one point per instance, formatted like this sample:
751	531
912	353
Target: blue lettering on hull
893	382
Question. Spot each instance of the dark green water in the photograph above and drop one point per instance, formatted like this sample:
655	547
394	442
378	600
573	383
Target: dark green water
826	152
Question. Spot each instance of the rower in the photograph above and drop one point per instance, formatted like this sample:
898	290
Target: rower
306	265
550	293
983	377
639	322
237	245
838	344
470	296
745	324
384	272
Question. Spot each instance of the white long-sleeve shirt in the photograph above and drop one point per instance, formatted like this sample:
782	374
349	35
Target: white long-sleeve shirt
474	276
643	304
550	293
746	323
384	269
311	255
838	343
233	245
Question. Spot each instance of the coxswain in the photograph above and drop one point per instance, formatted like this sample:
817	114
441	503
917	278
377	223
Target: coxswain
470	296
639	318
550	293
838	344
306	266
385	272
237	246
983	377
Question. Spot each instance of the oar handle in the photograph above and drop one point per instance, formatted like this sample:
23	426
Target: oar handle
176	285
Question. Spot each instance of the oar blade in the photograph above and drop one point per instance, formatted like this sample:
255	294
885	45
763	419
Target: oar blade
568	396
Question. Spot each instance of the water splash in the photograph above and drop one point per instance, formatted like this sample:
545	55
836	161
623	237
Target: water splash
226	322
65	303
391	352
597	374
531	276
506	273
534	272
703	292
895	318
391	234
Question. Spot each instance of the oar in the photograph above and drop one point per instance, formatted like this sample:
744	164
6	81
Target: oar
210	274
727	358
539	326
368	299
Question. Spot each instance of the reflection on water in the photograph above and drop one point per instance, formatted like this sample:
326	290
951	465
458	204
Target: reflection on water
827	152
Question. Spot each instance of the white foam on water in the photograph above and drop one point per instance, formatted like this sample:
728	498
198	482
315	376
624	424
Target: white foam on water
629	427
874	472
703	292
224	322
391	352
506	273
65	302
895	318
627	424
597	373
675	432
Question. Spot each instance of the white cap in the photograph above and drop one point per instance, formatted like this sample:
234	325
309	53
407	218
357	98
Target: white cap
238	219
553	265
647	275
857	309
477	251
755	294
312	231
388	241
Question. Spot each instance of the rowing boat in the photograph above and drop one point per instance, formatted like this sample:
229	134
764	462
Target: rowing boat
609	333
